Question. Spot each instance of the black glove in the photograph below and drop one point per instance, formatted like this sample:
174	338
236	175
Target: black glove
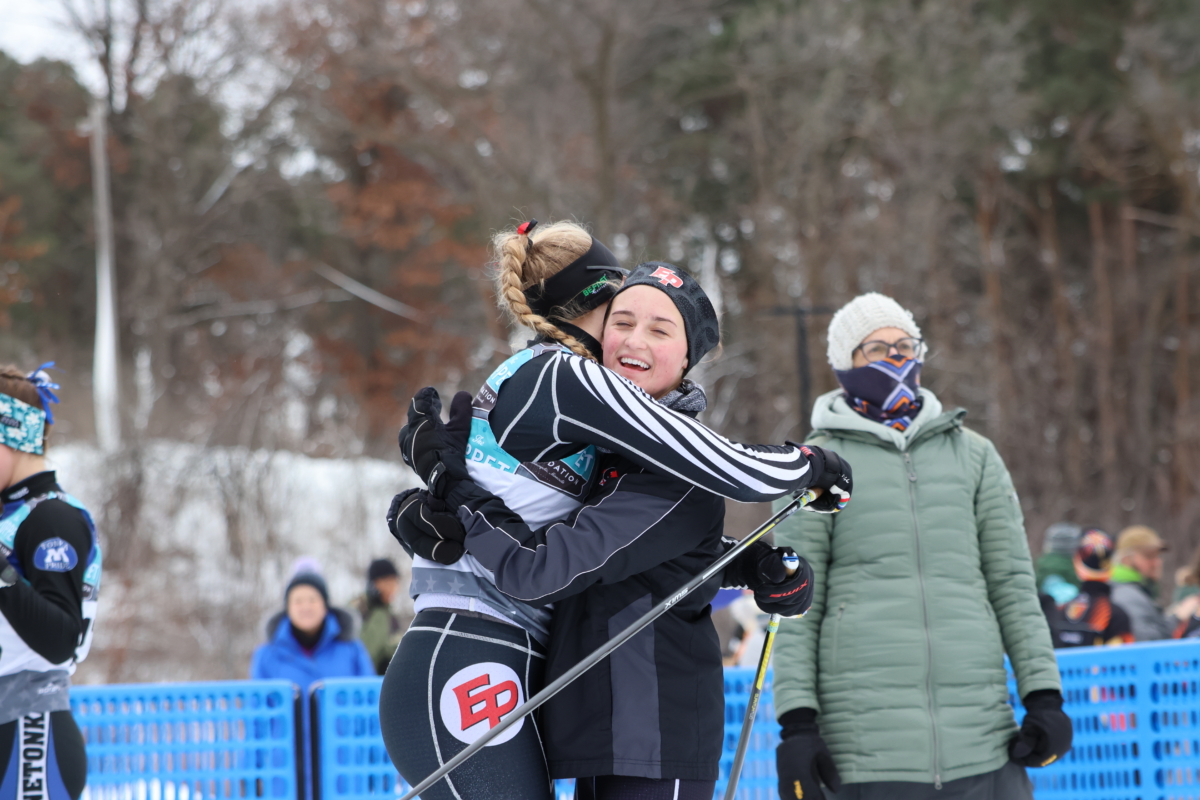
760	568
802	760
831	473
1046	731
426	527
437	452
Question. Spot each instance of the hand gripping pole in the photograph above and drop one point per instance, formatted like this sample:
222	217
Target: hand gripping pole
612	644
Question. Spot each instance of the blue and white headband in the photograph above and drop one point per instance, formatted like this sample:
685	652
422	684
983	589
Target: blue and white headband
22	426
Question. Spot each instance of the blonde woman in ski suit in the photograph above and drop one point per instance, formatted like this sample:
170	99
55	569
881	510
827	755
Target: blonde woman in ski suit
474	653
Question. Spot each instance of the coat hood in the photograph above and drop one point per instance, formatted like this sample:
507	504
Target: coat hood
832	413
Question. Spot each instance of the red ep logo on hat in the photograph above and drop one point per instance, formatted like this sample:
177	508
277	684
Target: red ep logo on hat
667	277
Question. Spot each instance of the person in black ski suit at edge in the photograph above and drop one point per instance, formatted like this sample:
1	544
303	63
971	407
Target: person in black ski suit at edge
647	722
48	593
474	653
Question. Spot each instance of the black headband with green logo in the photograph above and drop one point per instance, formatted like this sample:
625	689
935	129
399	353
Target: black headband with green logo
587	281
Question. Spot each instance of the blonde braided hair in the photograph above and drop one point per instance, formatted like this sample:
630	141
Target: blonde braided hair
526	260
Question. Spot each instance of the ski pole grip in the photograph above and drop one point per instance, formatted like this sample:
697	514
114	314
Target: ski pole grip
791	564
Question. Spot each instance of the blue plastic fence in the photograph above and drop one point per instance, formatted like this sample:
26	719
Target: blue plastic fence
1136	711
189	741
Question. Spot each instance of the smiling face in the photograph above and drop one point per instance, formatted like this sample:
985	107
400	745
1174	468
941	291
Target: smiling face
645	340
305	608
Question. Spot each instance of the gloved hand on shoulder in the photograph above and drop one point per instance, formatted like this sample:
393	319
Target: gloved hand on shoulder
1046	732
437	451
802	760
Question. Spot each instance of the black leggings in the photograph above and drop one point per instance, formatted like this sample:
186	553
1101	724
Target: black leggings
622	787
44	757
454	677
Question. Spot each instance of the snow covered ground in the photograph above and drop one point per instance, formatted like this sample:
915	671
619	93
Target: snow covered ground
199	542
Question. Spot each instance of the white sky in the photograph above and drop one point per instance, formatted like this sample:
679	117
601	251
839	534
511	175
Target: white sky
30	29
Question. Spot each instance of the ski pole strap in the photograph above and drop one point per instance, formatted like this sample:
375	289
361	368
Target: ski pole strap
602	652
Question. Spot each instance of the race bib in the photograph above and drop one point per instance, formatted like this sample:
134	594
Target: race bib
477	698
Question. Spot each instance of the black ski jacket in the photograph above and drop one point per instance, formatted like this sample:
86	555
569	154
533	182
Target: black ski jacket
46	608
1091	619
655	707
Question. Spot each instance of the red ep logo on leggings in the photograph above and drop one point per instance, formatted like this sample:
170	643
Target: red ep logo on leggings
477	698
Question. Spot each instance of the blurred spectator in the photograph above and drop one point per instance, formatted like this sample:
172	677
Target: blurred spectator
1187	579
1089	618
1135	585
381	628
1189	627
1054	571
309	640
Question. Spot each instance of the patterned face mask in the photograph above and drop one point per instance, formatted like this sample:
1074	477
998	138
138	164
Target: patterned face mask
885	391
22	426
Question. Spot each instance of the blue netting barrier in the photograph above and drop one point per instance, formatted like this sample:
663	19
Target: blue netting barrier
350	760
1136	711
191	741
757	781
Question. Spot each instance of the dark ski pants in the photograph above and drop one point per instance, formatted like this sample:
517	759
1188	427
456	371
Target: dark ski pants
624	787
44	756
454	677
1007	783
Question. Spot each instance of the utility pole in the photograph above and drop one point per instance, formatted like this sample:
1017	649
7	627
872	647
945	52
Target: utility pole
803	367
105	373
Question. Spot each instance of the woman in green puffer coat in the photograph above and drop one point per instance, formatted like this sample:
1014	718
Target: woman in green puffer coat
894	682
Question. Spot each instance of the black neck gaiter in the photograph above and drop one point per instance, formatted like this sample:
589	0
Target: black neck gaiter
307	640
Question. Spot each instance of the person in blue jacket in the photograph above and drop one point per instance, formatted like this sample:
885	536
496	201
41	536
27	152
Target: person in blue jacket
310	640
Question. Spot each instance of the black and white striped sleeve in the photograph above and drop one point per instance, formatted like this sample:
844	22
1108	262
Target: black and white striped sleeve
594	405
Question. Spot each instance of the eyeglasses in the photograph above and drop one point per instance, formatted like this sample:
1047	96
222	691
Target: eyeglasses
878	351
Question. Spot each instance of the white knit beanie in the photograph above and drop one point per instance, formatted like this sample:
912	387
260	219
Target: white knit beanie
858	319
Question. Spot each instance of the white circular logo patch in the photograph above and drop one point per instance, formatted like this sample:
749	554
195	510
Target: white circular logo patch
477	698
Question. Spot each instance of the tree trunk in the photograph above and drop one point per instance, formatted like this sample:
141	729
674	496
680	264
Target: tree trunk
1066	395
1183	380
1103	338
992	259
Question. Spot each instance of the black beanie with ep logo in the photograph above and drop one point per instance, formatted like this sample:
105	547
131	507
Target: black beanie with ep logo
700	322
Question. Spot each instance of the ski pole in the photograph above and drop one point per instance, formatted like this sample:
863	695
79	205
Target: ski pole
612	644
735	771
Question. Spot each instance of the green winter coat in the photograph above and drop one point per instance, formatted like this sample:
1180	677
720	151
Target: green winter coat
380	633
923	583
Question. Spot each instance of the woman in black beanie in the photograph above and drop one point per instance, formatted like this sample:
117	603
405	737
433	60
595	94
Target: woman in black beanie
309	640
